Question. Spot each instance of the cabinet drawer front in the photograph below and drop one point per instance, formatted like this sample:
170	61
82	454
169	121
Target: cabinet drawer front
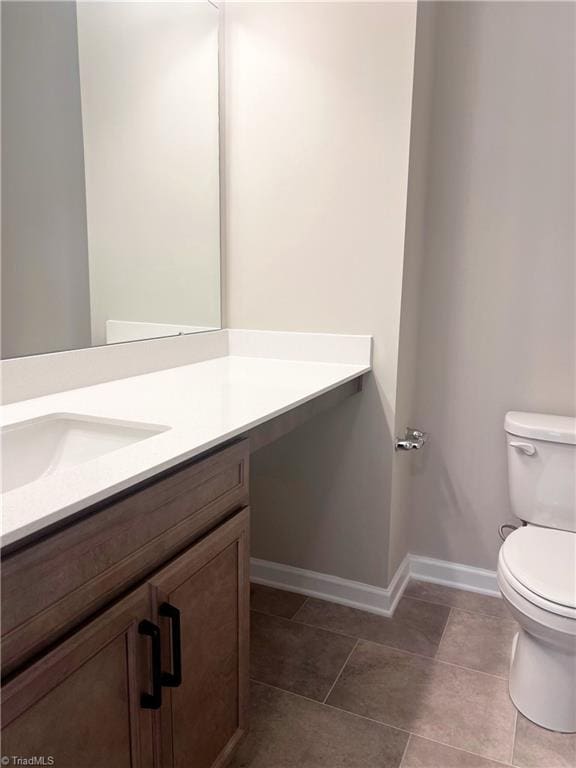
52	585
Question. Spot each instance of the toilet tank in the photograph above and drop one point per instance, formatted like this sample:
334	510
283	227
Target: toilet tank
542	468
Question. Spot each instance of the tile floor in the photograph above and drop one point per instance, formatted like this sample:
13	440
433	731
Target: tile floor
334	687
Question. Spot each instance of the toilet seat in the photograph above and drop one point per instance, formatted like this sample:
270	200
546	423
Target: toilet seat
540	565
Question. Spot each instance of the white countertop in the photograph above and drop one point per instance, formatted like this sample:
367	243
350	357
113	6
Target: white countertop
203	404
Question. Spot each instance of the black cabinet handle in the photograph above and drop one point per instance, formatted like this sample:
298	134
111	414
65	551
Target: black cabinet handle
173	679
153	700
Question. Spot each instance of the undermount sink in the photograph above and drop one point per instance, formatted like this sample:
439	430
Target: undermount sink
38	447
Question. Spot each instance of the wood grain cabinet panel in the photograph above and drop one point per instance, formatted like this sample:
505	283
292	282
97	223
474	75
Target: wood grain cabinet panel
53	584
204	717
80	704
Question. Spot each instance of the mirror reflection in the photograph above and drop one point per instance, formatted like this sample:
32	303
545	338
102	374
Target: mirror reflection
110	173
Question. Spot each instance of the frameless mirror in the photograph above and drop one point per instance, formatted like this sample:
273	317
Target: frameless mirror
110	172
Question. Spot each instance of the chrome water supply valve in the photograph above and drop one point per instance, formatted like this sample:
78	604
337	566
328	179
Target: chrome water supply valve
413	440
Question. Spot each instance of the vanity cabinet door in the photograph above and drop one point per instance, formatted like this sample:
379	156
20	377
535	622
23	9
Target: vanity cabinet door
202	603
81	703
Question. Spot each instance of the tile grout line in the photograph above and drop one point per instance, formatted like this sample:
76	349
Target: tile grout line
434	657
405	596
336	632
340	673
265	613
325	629
501	619
381	723
277	615
442	635
408	740
458	608
400	650
299	695
514	735
293	617
415	735
336	709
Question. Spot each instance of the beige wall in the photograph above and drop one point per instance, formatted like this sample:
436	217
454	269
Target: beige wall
317	137
497	323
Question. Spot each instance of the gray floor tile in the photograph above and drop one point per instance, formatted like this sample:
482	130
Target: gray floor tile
422	753
478	641
457	598
276	602
295	657
416	626
287	731
458	707
537	747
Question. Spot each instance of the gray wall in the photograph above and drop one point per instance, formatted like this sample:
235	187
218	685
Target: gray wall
45	291
497	321
409	370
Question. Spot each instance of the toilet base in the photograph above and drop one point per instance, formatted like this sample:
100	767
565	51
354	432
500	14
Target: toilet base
543	682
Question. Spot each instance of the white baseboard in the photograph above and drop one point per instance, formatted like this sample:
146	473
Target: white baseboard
332	588
370	598
454	575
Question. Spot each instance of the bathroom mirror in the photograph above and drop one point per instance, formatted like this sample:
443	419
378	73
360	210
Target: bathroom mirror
110	172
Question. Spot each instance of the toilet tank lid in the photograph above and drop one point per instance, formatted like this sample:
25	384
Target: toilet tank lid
541	426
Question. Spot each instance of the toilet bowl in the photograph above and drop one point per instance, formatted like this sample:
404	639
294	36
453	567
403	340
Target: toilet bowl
537	567
537	578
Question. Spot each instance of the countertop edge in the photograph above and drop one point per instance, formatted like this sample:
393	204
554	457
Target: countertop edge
32	527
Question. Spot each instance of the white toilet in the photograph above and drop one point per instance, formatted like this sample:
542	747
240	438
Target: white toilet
537	567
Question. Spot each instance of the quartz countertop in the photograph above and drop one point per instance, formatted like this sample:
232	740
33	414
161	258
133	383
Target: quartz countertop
204	404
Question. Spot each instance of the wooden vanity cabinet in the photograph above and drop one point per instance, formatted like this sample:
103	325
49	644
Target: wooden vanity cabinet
53	584
157	678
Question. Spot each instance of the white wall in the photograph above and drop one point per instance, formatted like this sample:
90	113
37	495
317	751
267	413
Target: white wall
497	323
45	291
149	75
317	138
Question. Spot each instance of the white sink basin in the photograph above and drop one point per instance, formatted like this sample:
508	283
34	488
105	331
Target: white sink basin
37	447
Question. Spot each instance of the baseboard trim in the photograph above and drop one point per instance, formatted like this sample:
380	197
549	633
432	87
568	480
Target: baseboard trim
333	588
366	596
451	574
